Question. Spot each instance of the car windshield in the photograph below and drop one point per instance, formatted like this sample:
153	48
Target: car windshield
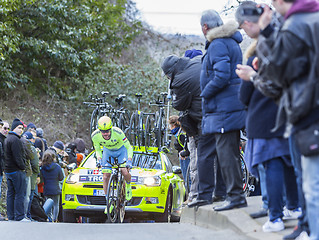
141	160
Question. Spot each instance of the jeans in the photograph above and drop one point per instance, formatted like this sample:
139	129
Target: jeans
310	175
296	161
0	184
193	169
53	214
27	194
184	165
263	185
30	203
278	173
47	206
15	195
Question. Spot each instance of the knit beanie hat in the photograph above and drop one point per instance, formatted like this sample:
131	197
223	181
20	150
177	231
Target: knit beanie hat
28	135
193	53
168	64
59	145
39	132
31	125
16	122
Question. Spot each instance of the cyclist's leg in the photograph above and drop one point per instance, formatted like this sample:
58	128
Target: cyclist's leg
106	168
122	158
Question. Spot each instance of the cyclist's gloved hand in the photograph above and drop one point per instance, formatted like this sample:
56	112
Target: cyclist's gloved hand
129	164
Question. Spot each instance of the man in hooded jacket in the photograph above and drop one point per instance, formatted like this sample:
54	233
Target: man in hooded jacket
223	113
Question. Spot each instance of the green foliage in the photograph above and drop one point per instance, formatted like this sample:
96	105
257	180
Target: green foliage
51	45
142	75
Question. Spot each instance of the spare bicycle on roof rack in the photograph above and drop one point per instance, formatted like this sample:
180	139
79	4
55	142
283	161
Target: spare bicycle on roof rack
120	116
149	129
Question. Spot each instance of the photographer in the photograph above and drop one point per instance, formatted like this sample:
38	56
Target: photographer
183	74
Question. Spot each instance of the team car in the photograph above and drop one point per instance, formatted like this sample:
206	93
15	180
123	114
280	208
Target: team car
158	192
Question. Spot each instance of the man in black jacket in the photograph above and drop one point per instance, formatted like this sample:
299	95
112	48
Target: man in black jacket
14	167
185	90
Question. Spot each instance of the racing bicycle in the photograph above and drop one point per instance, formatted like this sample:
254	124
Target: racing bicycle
116	200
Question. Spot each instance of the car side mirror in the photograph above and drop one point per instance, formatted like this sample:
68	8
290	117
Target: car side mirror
177	170
71	166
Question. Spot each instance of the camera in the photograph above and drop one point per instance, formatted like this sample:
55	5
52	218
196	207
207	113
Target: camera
253	11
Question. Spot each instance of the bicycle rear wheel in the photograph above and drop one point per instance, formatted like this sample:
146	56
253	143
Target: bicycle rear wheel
121	201
148	132
111	203
132	130
94	119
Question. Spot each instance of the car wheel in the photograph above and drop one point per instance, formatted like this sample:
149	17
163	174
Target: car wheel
166	216
68	216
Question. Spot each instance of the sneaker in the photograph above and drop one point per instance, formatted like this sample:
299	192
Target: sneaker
274	226
25	220
128	194
291	214
261	213
294	234
303	236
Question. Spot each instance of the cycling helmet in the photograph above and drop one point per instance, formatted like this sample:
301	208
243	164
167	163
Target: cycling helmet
104	123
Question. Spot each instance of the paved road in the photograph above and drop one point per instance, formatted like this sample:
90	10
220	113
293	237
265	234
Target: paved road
134	231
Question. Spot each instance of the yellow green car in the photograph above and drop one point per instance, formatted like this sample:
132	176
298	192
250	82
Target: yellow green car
158	192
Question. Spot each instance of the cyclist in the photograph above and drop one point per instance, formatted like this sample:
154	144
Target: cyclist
114	144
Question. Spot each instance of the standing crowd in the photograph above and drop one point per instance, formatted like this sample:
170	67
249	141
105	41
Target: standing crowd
34	172
274	97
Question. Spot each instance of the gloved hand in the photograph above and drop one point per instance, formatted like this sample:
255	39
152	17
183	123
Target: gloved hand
129	164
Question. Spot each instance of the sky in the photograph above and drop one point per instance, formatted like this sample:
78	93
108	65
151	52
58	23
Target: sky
178	16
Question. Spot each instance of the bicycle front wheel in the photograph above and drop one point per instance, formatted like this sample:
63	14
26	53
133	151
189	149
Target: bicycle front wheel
111	201
121	200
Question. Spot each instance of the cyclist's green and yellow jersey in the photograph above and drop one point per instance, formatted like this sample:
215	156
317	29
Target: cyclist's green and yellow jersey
117	140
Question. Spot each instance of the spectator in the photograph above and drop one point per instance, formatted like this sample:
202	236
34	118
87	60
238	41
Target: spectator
40	142
264	146
4	129
32	129
51	174
180	144
292	67
1	163
223	113
81	151
183	74
58	149
71	151
14	167
33	160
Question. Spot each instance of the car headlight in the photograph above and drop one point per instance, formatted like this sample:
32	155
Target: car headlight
150	181
72	178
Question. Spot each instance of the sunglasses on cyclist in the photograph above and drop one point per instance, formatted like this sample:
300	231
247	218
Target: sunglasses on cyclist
5	128
105	131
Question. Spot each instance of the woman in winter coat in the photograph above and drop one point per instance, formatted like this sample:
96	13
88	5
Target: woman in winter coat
51	174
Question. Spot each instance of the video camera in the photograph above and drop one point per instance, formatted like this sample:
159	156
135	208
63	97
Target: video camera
253	11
